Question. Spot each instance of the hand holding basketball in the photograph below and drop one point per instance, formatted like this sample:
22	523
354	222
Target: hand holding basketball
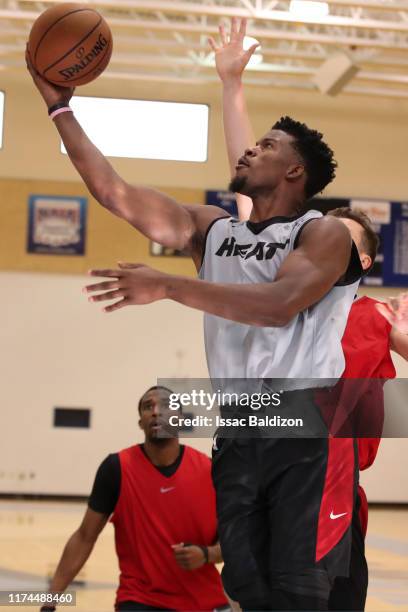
52	94
70	44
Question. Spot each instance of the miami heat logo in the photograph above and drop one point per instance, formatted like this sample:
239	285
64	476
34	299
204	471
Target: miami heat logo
261	250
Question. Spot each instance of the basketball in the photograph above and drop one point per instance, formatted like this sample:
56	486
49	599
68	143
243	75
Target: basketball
70	44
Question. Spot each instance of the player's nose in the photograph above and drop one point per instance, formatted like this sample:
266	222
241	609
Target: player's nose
250	152
156	409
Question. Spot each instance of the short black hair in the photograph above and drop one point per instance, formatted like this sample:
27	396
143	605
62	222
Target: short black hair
317	155
154	388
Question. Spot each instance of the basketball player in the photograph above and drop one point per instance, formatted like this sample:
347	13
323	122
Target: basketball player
161	501
276	292
373	329
368	337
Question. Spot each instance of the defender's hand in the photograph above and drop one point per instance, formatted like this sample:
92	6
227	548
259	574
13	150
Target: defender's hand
189	557
395	310
230	57
134	284
52	94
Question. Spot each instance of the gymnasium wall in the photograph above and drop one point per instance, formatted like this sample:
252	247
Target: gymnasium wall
108	238
370	146
58	350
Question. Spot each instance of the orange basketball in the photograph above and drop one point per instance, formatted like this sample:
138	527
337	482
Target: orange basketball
70	44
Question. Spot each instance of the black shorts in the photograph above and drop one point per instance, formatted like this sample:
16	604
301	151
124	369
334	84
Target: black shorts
350	594
284	510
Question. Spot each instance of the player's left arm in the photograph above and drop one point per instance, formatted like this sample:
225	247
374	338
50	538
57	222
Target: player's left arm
307	274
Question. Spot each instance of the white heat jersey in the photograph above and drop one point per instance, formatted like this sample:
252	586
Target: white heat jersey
307	347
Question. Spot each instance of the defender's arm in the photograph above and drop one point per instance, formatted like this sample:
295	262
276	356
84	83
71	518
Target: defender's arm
231	61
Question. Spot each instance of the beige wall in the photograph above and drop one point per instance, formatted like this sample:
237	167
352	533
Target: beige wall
108	238
59	350
368	136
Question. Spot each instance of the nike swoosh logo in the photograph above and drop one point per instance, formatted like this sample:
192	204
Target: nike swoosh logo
336	516
215	447
166	490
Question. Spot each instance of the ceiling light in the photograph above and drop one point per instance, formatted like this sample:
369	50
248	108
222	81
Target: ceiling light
307	9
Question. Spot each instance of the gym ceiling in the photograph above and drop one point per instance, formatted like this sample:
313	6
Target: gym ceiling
166	41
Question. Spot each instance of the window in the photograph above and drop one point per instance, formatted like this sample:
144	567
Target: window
72	417
1	117
145	129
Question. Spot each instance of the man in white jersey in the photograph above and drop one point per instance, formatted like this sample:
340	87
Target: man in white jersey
275	289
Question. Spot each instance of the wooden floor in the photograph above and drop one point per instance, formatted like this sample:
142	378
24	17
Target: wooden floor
32	535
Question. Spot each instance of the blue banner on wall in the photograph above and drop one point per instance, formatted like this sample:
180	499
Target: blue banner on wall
56	225
224	199
390	221
394	238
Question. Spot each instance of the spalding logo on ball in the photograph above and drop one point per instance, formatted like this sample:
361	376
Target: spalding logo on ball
70	44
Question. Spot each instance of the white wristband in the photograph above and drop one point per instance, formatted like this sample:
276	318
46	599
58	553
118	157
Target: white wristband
64	109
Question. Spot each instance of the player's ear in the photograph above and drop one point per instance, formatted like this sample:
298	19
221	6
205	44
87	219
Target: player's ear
295	171
366	261
140	423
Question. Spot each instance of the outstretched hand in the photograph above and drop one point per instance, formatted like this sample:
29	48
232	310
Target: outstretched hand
52	94
230	57
395	310
133	284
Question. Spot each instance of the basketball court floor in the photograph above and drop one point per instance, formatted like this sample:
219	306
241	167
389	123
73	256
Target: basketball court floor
33	534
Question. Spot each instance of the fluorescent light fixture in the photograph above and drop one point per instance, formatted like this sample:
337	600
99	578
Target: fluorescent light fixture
257	57
1	117
307	9
144	129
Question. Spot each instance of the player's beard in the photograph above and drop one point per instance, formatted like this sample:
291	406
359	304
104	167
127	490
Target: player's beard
237	184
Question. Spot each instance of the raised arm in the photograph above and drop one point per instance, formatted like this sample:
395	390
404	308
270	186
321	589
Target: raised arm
306	275
153	213
230	61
